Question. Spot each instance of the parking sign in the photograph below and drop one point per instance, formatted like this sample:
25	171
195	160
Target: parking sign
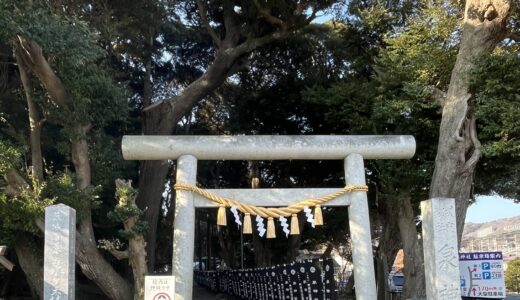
482	275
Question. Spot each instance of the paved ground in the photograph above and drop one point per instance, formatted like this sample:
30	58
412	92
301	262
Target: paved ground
201	293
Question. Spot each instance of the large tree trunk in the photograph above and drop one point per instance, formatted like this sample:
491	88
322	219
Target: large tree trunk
96	267
161	118
415	285
459	149
31	262
88	257
227	249
389	245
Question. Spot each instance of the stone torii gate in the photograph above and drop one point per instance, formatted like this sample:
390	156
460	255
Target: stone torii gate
351	149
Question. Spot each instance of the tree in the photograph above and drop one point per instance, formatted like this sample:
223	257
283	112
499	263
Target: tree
513	275
235	29
459	149
71	101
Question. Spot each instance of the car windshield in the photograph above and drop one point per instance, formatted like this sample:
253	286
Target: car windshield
398	280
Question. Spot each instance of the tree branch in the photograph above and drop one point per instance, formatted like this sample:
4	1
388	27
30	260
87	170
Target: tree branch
32	55
230	22
35	122
266	14
254	43
469	166
457	133
16	183
436	94
205	23
312	16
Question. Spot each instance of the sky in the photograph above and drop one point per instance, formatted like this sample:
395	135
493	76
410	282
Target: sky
489	208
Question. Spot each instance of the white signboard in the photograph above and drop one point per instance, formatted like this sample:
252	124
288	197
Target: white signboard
482	275
159	288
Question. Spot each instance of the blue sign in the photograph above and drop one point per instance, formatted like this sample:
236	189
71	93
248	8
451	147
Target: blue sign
486	275
482	275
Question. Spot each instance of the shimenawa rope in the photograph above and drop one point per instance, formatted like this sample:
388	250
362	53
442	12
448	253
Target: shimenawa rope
269	212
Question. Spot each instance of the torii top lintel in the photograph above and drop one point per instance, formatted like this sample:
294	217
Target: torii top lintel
267	147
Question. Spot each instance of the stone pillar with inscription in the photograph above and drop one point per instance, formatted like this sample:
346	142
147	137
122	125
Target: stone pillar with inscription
59	253
440	246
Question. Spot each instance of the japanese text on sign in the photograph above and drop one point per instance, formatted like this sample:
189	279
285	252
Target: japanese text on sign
159	288
482	275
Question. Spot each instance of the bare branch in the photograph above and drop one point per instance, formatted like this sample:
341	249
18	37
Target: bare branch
254	43
231	24
40	223
300	7
15	182
35	122
436	94
312	16
32	55
112	247
120	255
266	14
205	23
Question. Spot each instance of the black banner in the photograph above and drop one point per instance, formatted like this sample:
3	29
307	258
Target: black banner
306	280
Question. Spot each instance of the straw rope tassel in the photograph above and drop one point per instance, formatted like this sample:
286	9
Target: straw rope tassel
271	232
273	212
248	229
221	216
295	228
318	216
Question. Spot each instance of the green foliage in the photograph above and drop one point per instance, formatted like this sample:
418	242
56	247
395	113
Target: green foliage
425	52
350	105
70	47
57	34
9	157
96	99
495	83
64	187
512	276
121	214
126	210
19	213
140	227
